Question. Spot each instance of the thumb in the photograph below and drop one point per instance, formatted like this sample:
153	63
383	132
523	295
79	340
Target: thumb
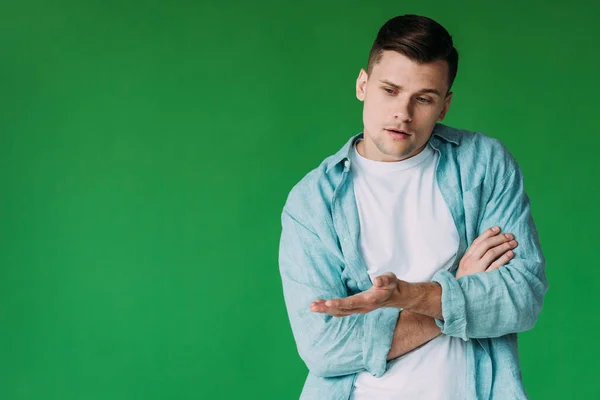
385	279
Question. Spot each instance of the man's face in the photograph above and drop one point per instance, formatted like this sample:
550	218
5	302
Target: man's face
405	96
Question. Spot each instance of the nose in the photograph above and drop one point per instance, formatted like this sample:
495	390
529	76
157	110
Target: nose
403	111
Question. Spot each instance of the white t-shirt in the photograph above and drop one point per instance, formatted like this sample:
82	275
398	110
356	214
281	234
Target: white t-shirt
406	228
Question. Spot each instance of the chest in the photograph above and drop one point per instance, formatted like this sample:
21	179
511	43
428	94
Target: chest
405	225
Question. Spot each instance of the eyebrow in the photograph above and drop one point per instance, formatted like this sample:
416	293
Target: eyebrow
426	90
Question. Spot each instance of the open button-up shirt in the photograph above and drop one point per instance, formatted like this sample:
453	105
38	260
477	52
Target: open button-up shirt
482	186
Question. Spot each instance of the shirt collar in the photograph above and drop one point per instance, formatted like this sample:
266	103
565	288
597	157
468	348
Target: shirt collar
439	130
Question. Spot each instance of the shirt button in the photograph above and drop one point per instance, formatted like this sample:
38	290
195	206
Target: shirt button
346	164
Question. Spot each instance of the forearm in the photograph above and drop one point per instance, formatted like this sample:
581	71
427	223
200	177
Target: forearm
412	330
422	298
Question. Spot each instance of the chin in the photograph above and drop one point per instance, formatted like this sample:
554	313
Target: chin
403	153
398	155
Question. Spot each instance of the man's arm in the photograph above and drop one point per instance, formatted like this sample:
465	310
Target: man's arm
339	346
329	346
508	299
412	331
492	304
501	301
488	252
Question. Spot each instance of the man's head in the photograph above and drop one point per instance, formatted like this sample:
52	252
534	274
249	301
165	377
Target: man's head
406	87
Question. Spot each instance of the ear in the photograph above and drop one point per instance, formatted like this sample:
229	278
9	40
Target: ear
361	84
447	102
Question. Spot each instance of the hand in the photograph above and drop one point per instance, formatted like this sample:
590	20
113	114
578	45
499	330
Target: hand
381	294
488	252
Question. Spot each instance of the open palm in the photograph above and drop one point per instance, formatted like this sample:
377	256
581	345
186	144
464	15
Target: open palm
381	294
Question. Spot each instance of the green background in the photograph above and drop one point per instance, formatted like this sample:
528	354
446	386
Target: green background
147	148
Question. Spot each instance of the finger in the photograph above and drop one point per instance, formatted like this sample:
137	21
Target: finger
317	302
352	312
318	307
494	230
330	311
321	308
484	246
503	260
334	306
336	312
348	303
369	299
384	280
492	254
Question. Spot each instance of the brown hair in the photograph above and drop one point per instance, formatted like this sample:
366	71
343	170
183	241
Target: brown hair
419	38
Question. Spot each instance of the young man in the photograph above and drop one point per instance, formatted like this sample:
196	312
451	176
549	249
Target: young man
385	296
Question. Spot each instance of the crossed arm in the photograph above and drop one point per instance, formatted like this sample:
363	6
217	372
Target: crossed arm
421	302
503	297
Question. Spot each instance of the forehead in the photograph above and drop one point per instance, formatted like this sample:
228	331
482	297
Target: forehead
399	69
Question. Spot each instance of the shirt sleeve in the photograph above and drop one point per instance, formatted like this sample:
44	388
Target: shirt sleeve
329	346
509	299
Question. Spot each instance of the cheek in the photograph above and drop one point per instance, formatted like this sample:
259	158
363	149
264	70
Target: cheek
370	112
377	110
428	114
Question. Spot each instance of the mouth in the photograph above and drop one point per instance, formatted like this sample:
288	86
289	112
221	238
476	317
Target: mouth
398	134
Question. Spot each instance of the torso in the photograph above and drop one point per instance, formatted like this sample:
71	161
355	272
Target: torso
406	228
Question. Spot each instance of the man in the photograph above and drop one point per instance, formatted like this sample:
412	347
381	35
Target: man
385	297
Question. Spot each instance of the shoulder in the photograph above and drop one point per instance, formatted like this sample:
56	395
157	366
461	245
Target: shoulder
499	161
482	155
310	199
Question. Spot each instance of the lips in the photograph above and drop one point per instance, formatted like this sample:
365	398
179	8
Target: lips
398	131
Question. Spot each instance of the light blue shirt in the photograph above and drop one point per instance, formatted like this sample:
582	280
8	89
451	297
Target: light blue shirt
319	258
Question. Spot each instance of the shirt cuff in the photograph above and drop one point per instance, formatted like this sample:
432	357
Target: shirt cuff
379	329
453	306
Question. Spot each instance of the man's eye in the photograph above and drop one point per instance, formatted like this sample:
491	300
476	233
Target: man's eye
423	100
390	91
